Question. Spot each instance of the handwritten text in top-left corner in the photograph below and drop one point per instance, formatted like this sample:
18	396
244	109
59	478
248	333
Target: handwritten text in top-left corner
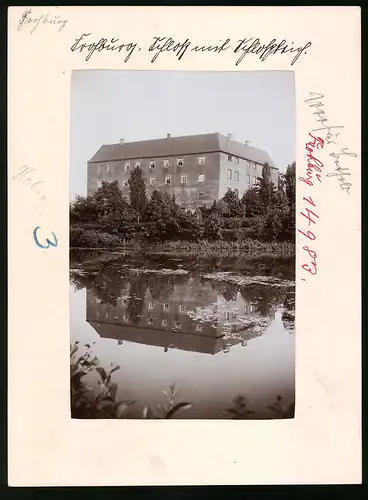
30	21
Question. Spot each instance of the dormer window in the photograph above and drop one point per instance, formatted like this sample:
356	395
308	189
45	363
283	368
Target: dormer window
166	163
137	164
179	162
152	164
201	160
99	168
125	183
127	165
229	158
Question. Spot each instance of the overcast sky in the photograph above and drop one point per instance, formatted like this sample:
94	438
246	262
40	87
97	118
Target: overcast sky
257	106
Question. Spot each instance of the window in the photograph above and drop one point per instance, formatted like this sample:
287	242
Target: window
152	164
201	178
236	160
125	183
127	165
236	192
254	179
201	160
99	184
152	181
166	163
198	328
137	164
177	324
164	322
248	179
182	308
229	158
254	165
125	317
166	307
229	173
108	167
124	302
179	162
99	168
200	194
151	305
168	179
184	179
150	321
227	315
236	175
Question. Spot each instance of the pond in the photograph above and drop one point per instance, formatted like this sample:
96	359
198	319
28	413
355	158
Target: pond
215	328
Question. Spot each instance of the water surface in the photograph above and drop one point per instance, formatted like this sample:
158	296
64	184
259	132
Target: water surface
216	328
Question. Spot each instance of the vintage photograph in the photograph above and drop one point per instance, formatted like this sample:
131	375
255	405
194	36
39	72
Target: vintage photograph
182	245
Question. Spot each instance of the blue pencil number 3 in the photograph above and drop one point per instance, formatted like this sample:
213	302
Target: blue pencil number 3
48	242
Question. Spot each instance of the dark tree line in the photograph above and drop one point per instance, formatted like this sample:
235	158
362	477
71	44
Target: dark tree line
106	219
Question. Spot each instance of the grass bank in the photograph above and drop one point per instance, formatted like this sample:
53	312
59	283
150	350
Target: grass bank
248	247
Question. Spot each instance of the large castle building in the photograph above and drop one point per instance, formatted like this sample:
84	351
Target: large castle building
197	169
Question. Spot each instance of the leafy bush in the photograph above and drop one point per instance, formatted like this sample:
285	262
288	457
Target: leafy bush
90	238
87	402
106	219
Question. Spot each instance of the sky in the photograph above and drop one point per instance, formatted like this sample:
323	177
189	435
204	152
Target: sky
258	106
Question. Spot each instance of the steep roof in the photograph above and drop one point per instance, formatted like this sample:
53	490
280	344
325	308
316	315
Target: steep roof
159	337
180	146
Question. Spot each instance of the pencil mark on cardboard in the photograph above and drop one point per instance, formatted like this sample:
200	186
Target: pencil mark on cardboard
26	179
27	19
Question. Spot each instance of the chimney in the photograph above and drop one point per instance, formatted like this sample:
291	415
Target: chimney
247	143
168	136
230	137
122	140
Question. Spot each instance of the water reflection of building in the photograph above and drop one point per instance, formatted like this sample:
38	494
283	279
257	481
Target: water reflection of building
192	317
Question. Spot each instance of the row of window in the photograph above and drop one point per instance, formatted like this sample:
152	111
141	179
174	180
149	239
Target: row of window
151	306
236	176
107	167
248	163
152	181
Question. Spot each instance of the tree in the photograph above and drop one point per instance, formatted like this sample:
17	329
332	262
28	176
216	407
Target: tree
138	196
252	202
266	189
290	189
83	210
233	203
109	200
161	216
213	227
290	184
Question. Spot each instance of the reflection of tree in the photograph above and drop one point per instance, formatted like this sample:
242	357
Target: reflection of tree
136	299
161	287
263	296
107	287
228	290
